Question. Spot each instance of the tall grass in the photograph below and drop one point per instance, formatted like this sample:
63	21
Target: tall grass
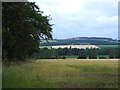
62	73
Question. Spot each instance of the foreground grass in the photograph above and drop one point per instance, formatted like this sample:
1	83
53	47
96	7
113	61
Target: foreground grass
70	73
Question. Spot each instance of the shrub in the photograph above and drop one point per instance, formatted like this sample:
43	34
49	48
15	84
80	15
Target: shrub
63	57
92	57
81	57
102	57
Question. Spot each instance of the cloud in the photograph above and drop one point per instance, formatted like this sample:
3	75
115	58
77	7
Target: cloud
74	18
107	21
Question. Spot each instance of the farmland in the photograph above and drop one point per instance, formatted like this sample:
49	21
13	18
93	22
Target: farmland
49	47
82	41
107	46
96	46
31	57
50	41
75	46
69	73
78	51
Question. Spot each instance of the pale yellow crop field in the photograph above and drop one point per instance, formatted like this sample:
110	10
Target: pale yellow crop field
75	46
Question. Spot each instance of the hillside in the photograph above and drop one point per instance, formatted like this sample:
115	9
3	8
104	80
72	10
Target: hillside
81	41
91	38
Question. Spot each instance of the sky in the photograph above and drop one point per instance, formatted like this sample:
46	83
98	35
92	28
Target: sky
81	18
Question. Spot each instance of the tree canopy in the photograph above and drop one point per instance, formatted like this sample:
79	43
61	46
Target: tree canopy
23	25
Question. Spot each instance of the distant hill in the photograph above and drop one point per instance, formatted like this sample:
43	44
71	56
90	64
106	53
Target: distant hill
82	41
91	38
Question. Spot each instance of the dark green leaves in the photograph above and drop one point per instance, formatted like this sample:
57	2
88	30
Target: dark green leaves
23	25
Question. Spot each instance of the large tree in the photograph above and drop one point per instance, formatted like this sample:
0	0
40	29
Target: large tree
23	24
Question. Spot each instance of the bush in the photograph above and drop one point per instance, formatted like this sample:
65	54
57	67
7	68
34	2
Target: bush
111	57
102	57
63	57
81	57
92	57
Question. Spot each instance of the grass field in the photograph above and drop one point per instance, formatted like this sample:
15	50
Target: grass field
44	41
69	73
71	56
49	47
107	46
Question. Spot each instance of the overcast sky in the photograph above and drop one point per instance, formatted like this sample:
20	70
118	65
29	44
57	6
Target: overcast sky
82	18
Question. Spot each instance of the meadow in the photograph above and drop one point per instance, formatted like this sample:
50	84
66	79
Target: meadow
62	73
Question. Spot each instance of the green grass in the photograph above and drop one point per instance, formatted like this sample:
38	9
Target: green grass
49	47
72	56
44	41
76	56
107	46
67	73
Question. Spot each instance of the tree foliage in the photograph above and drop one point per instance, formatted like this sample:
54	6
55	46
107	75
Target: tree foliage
23	25
60	53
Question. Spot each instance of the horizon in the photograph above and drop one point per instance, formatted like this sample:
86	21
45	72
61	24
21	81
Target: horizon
88	37
84	37
81	18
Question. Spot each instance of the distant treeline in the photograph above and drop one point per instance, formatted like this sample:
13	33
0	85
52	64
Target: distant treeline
78	42
45	53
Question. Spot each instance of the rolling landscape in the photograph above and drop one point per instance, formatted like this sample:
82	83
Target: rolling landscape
81	41
65	69
33	59
100	47
100	42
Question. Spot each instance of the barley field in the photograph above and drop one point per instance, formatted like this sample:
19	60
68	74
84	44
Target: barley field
60	73
75	46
